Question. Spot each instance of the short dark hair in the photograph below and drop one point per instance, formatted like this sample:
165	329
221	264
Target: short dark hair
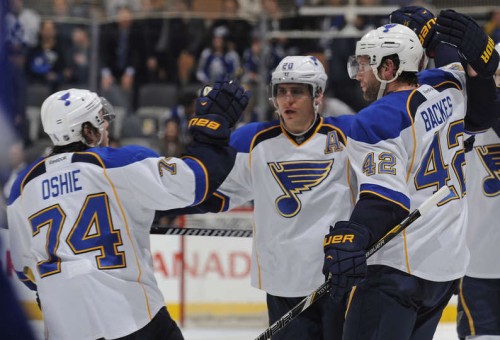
405	77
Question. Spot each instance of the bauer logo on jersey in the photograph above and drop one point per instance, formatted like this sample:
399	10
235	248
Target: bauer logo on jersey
294	178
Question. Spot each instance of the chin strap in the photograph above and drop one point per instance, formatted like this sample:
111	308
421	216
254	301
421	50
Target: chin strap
383	83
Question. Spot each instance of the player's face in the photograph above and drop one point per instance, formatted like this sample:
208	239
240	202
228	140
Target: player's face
497	78
369	84
295	105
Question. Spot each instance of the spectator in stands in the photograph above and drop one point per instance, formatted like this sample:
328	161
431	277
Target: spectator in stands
218	59
79	57
13	89
157	49
300	45
492	26
184	48
275	21
370	21
17	163
239	29
183	112
332	23
251	77
122	46
251	62
22	25
61	14
46	62
171	144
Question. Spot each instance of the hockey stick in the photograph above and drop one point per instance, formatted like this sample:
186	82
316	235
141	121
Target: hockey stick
325	287
169	230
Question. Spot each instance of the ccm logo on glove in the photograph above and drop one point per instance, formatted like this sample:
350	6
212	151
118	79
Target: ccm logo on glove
204	122
335	239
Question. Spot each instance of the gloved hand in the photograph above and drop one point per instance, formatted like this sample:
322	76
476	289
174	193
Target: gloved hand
473	44
421	21
345	261
217	110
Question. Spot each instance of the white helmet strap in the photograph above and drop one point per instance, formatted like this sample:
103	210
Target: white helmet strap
383	83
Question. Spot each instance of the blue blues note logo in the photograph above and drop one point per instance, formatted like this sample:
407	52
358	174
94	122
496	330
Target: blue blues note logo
388	27
315	61
490	157
294	178
65	97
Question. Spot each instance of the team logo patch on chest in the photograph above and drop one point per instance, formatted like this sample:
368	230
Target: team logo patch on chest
490	157
295	177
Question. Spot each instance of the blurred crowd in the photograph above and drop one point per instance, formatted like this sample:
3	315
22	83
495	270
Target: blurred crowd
150	57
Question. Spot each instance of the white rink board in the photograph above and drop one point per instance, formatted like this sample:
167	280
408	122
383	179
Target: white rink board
217	269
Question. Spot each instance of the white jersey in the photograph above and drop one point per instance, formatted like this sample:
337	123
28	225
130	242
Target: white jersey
80	222
298	190
403	148
483	195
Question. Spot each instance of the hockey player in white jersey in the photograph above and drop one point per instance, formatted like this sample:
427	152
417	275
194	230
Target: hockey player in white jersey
295	169
404	147
478	314
79	219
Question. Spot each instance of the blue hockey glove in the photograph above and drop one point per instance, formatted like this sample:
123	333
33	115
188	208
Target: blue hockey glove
421	21
226	98
345	261
217	110
473	44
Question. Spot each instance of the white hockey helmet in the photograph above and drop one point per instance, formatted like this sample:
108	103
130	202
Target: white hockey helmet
64	112
388	40
302	70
